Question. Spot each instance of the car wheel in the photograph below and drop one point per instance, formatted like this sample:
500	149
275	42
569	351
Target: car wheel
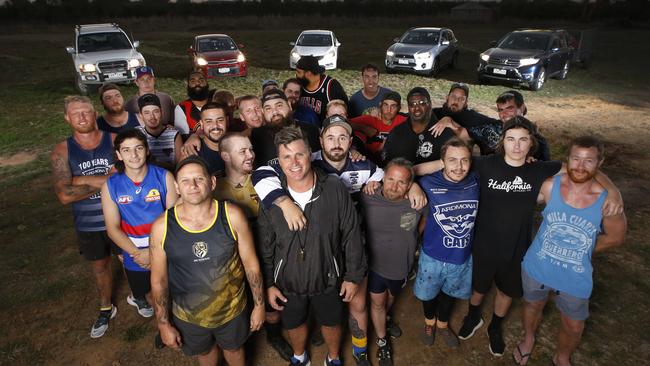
565	71
482	80
84	89
454	61
539	81
435	68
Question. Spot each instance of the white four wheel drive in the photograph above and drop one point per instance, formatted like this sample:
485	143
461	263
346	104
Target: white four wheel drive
103	53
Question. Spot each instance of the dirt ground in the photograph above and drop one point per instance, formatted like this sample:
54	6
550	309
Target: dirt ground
50	301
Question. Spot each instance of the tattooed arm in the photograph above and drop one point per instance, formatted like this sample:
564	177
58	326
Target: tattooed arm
66	190
159	285
246	249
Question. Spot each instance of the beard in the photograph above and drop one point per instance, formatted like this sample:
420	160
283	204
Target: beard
213	139
283	122
585	176
303	82
335	155
198	93
114	109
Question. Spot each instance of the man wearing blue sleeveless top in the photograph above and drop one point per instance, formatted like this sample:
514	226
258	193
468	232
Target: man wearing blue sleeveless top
80	166
445	267
559	259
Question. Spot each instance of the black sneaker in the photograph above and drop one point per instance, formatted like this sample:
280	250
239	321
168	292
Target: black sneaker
361	358
497	345
101	324
281	346
384	353
393	329
470	326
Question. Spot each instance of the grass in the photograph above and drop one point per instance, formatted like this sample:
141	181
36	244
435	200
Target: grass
136	332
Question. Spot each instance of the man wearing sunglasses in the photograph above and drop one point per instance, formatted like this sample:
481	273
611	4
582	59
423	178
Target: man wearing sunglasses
412	140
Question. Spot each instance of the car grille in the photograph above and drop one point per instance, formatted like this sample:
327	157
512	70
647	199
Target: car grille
504	61
220	62
404	56
113	66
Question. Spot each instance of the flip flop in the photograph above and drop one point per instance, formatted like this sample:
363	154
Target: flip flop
523	357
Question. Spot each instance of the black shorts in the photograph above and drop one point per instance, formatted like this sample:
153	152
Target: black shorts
139	282
96	245
327	308
377	284
198	340
505	274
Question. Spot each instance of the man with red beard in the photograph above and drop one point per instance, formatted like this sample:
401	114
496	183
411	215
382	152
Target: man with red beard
116	119
559	259
188	112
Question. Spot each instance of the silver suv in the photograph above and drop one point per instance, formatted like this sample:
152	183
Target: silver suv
423	50
103	53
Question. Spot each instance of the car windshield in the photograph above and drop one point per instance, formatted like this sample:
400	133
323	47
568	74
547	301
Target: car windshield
314	40
95	42
525	41
216	44
420	37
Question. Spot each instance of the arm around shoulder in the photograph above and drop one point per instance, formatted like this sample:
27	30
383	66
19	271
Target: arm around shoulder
614	228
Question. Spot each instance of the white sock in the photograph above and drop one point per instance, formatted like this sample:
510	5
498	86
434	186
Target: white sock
300	358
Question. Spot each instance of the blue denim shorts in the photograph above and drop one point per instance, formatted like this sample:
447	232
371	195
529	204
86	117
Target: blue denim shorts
433	276
573	307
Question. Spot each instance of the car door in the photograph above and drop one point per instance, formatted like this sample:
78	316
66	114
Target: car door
557	56
445	47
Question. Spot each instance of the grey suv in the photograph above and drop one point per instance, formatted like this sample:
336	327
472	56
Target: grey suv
423	50
103	53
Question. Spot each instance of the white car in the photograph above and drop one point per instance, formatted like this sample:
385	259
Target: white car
320	43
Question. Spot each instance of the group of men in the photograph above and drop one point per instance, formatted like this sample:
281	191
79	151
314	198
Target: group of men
229	214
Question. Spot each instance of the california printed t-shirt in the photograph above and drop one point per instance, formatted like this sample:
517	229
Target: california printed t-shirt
508	197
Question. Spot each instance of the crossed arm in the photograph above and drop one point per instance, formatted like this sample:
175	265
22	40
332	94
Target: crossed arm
70	189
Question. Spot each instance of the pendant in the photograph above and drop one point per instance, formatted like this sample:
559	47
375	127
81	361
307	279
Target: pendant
302	254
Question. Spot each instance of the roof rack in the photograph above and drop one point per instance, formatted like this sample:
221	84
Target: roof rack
100	25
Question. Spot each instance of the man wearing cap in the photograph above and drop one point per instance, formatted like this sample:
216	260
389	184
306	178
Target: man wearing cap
318	89
146	82
377	128
412	140
319	267
188	112
368	97
292	88
116	119
164	142
269	84
202	252
277	114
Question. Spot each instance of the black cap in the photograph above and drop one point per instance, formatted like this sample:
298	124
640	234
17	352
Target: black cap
310	63
274	93
192	159
462	86
269	82
148	99
418	90
392	95
336	120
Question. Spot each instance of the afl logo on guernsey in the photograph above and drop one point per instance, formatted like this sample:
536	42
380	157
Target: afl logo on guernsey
152	196
200	249
124	200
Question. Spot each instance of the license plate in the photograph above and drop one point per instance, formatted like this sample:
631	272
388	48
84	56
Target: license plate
223	70
403	61
500	71
114	75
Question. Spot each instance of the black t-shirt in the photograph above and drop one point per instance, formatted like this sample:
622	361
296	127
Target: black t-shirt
485	131
264	146
507	202
216	165
416	147
328	90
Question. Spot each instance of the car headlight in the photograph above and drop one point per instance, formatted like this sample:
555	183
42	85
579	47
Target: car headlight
241	58
485	57
295	55
331	54
390	53
87	68
134	62
201	61
528	61
425	55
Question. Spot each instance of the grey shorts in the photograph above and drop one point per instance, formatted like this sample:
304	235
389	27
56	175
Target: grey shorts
573	307
199	340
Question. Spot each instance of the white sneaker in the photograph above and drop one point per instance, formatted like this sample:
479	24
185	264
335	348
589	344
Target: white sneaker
101	324
144	309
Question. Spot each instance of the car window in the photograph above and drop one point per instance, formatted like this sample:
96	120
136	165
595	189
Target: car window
525	41
216	44
555	44
420	37
563	42
95	42
314	40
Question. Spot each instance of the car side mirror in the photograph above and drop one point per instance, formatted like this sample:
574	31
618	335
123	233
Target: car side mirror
292	43
445	43
240	45
70	50
338	44
395	40
136	44
493	44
